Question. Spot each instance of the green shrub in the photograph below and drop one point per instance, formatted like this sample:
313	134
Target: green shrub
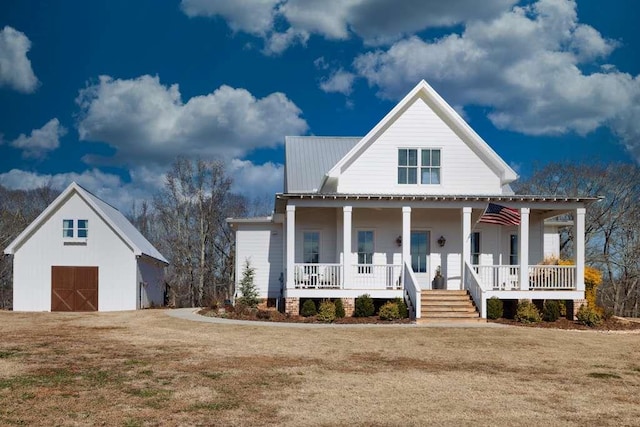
308	308
389	311
339	308
588	316
403	310
527	312
327	311
495	308
551	311
364	306
250	295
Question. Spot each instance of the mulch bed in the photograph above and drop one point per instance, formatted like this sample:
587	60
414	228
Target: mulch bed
278	317
612	324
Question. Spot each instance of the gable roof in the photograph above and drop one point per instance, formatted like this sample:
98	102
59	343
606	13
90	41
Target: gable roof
110	215
309	158
448	115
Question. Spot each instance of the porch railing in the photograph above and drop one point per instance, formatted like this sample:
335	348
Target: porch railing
498	277
412	291
541	277
552	277
473	284
318	276
376	276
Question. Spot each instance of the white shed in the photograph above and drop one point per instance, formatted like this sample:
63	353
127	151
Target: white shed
82	254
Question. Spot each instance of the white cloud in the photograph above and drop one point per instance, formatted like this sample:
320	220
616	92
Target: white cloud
253	16
340	81
41	141
526	65
251	180
15	67
375	21
146	121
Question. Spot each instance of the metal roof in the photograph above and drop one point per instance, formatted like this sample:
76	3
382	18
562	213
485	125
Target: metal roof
122	224
309	158
113	217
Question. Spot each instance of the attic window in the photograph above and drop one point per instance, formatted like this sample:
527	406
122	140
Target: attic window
427	161
72	229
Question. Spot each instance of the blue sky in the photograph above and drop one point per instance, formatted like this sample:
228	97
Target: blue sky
107	93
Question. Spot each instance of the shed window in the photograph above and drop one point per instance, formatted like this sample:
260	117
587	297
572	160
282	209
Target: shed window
67	228
83	228
72	229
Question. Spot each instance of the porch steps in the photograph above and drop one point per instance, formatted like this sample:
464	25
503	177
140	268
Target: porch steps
438	306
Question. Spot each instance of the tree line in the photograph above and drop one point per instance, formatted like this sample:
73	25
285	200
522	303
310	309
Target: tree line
186	222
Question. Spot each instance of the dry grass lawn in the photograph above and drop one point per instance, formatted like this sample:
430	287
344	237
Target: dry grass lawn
146	368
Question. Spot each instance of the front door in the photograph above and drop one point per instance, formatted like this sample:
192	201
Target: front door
419	257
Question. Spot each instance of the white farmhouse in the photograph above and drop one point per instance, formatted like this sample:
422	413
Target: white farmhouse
397	213
81	254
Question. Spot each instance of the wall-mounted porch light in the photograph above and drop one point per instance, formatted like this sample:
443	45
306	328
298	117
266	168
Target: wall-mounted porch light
399	241
442	241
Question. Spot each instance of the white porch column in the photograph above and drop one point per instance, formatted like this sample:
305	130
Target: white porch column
346	245
523	249
466	242
406	238
579	248
291	245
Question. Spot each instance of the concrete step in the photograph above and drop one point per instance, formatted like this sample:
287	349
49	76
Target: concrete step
450	320
443	292
445	308
447	314
440	299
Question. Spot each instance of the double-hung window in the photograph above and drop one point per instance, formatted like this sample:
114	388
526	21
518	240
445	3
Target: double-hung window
513	249
365	250
430	167
427	161
67	228
311	247
475	248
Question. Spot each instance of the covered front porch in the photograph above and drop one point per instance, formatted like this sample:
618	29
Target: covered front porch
390	246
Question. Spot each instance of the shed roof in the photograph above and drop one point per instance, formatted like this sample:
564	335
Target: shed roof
309	158
113	217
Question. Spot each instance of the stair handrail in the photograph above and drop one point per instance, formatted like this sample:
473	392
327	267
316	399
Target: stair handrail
472	283
412	290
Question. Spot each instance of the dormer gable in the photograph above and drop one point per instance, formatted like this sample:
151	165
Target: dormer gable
422	146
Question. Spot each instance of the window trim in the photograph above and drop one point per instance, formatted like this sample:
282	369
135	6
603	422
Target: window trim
419	165
471	252
75	230
513	250
318	232
365	268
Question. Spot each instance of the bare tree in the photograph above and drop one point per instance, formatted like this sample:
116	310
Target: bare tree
190	213
612	225
17	209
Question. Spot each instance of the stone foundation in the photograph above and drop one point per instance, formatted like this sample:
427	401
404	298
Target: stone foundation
349	305
292	306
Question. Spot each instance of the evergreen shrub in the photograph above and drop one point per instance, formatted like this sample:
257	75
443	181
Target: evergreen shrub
364	306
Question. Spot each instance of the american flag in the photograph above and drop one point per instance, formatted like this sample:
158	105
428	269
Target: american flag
496	214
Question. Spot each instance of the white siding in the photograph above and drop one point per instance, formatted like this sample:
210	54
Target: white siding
261	244
375	170
117	287
551	242
150	283
322	220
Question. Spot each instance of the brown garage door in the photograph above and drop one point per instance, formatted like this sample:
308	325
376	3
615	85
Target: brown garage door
74	288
